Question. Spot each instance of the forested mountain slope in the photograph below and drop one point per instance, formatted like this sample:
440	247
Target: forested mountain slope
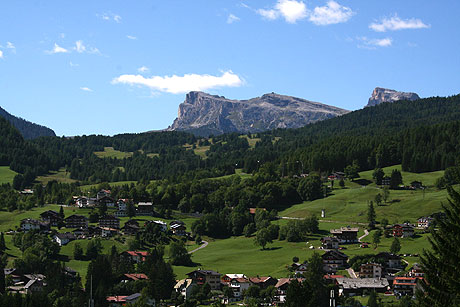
28	129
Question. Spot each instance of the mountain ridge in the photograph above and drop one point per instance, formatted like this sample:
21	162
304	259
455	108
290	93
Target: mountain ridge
27	129
381	95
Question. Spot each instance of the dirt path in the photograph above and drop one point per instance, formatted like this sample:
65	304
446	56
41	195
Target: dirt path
366	233
205	243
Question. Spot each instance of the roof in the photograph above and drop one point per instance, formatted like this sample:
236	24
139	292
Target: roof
30	221
253	210
335	254
258	279
332	276
388	256
231	276
406	281
183	282
76	216
117	299
109	217
67	235
282	281
50	212
204	272
145	204
136	276
360	283
137	253
344	229
133	297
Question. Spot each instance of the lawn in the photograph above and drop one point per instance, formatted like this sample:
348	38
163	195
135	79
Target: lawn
351	203
62	176
109	152
6	175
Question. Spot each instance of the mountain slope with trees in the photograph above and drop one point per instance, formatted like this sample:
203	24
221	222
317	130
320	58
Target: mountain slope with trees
28	129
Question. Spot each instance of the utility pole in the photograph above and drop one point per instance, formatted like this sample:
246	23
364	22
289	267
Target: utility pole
332	300
91	301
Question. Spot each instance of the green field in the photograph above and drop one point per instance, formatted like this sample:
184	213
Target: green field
109	152
6	175
351	203
61	176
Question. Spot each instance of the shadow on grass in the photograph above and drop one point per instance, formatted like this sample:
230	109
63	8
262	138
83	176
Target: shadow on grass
62	258
364	182
271	248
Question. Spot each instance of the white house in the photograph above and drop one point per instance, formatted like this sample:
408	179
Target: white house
30	224
121	205
63	238
184	287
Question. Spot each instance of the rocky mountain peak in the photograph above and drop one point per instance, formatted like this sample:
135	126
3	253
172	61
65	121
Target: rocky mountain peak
380	95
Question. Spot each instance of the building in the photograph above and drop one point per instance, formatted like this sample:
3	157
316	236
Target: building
109	221
334	260
108	232
63	238
34	285
227	278
123	300
84	202
133	277
106	200
76	221
103	193
238	286
32	224
130	229
185	287
263	281
122	205
346	234
403	230
281	288
391	261
371	270
330	243
178	228
51	217
405	285
144	209
135	256
425	222
414	185
356	286
416	271
201	277
163	226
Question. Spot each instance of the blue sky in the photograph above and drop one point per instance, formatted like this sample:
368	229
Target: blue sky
108	67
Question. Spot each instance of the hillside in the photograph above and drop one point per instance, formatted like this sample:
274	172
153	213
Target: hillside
28	129
204	114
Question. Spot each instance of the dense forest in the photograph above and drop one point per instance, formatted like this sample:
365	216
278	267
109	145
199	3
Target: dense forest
27	129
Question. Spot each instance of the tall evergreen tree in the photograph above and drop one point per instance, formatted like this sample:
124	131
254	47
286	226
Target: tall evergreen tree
395	246
440	264
61	213
2	242
371	214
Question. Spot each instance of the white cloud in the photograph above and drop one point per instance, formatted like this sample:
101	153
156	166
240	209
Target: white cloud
86	89
143	69
1	54
395	23
117	18
182	84
58	49
369	43
332	13
80	47
110	17
232	18
73	64
11	46
290	10
268	14
131	37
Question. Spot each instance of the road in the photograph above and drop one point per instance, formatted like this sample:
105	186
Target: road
352	273
366	233
205	243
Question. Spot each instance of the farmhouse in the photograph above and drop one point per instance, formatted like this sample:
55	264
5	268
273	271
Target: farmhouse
109	221
334	260
356	286
425	222
263	281
403	230
145	209
135	256
63	238
32	224
201	277
76	221
346	234
51	217
370	270
330	243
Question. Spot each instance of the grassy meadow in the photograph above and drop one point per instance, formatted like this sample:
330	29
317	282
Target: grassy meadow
6	175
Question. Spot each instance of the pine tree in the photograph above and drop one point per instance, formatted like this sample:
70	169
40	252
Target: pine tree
442	262
395	246
61	213
372	302
371	214
2	242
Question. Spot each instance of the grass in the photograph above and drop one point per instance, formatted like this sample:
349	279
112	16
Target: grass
6	175
109	152
351	203
61	176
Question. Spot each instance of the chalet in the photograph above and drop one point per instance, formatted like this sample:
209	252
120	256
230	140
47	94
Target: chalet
109	221
390	261
299	268
122	205
32	224
185	287
281	287
130	229
346	234
405	230
63	238
135	256
133	277
106	200
107	232
200	277
425	222
227	278
145	209
178	229
103	193
34	285
405	285
263	281
370	270
386	181
334	260
132	222
51	217
238	285
356	286
122	300
330	243
161	224
416	271
94	231
414	185
121	213
76	221
84	202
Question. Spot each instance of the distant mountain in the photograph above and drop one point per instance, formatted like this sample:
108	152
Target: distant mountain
204	114
380	95
28	130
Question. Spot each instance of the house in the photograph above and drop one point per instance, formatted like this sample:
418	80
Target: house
425	222
334	260
63	238
51	217
252	211
144	209
84	202
227	278
123	300
238	286
201	277
76	221
185	287
330	243
356	286
390	261
94	231
32	224
178	229
107	232
405	285
403	230
346	234
133	277
135	256
336	176
161	224
109	221
299	268
130	229
414	185
34	285
263	281
370	270
103	193
106	200
416	271
120	213
122	205
281	287
386	181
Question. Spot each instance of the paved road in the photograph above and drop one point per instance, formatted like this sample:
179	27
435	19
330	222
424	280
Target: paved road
366	233
205	243
352	273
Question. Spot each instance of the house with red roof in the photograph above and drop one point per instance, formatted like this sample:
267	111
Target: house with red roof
135	256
